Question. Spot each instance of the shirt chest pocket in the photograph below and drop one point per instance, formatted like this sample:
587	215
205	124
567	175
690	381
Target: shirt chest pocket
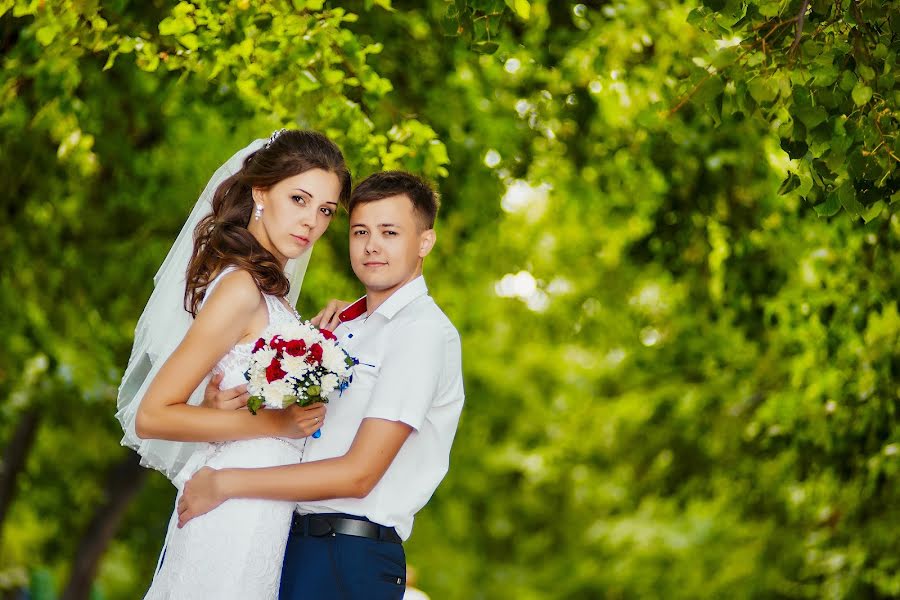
365	374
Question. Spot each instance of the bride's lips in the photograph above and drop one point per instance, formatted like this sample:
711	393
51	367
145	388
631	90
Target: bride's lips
300	239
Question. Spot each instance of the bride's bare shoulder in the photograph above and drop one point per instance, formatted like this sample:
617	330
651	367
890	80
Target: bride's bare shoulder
235	290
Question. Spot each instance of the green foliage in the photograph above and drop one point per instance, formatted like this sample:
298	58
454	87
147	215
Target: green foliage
479	22
669	240
822	75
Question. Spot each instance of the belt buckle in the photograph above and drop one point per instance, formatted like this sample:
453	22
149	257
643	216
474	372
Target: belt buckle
319	526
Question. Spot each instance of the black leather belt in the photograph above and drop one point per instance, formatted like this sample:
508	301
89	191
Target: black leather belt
319	525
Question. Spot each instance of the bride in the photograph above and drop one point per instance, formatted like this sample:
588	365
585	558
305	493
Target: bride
235	268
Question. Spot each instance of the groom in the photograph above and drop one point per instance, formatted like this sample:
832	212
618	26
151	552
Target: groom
386	444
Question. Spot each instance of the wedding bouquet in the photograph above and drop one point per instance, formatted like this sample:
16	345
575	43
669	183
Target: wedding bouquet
296	363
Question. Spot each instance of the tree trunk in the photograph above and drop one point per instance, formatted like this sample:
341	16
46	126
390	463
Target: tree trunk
14	459
124	481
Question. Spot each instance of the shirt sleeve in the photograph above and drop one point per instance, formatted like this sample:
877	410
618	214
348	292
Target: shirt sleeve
410	373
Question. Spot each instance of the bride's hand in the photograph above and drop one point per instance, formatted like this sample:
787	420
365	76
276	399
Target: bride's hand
201	494
329	317
303	421
230	399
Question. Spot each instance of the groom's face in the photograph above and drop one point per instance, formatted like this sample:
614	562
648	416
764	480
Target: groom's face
387	243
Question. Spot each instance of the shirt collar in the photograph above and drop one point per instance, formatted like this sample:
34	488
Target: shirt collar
390	307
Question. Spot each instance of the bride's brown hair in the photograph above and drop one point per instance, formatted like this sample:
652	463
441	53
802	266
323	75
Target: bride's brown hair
221	239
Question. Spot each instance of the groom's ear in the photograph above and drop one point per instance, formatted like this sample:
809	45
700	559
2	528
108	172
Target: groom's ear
426	242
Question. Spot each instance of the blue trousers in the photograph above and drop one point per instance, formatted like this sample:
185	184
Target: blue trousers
342	567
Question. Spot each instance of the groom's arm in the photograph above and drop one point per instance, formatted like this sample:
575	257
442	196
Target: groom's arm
228	399
352	475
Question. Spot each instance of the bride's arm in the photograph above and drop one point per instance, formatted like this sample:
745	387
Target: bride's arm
224	320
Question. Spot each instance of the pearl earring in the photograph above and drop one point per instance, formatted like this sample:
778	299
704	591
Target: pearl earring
258	213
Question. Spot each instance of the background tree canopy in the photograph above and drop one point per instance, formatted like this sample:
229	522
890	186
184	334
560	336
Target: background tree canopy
669	239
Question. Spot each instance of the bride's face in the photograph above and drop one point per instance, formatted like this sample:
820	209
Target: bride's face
295	212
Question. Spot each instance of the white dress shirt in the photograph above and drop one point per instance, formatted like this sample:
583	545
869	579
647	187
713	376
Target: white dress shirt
410	370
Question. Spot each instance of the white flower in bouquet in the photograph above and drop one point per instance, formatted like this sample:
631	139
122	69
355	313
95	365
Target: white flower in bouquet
295	365
329	383
335	360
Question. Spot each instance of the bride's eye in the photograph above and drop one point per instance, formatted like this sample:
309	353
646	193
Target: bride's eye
299	200
327	211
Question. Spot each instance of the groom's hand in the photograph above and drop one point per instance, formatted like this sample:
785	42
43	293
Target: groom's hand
329	317
201	494
230	399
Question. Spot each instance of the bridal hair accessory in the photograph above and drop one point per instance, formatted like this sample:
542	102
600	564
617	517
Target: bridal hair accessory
258	213
164	323
274	137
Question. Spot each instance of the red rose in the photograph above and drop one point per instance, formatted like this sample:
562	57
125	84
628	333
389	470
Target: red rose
315	355
295	347
278	344
274	371
328	335
260	344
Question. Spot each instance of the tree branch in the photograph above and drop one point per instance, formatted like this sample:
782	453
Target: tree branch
123	483
14	458
760	42
801	17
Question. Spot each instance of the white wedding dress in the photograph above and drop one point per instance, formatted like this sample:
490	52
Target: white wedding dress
235	551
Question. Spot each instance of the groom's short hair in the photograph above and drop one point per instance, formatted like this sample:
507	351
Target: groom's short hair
383	185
